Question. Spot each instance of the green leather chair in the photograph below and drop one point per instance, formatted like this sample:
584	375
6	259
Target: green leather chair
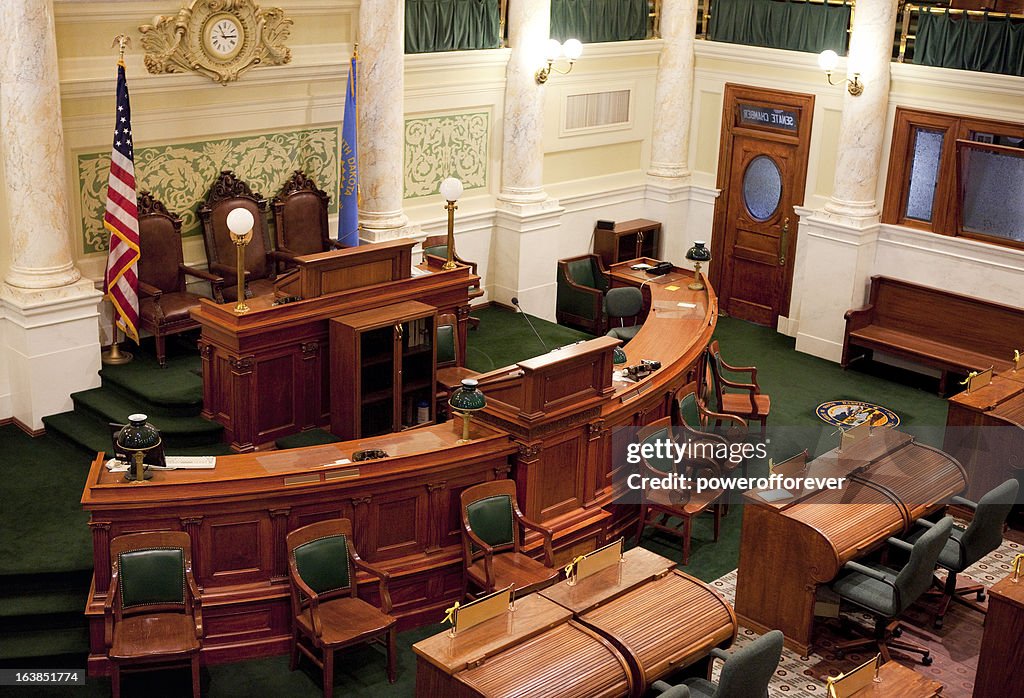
622	303
153	612
966	546
327	613
582	282
491	551
435	254
672	511
886	593
745	673
450	368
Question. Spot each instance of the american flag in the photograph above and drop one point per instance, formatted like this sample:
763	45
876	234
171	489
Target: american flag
121	218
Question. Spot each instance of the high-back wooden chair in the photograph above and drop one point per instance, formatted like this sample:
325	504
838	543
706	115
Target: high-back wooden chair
164	301
491	542
227	194
300	219
327	613
153	612
743	399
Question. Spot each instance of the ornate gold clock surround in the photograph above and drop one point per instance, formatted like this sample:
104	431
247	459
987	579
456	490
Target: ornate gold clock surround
181	43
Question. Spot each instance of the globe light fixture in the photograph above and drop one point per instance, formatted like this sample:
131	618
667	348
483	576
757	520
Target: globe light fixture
240	223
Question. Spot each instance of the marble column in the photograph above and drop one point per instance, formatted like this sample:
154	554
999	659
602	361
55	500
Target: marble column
522	157
33	148
673	92
862	127
381	96
49	329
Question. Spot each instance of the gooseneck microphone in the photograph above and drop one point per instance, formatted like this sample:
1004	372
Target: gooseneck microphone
515	302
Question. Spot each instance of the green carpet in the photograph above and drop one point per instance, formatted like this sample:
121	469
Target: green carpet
44	530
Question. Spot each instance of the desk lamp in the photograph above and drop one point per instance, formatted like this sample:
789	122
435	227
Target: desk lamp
240	222
697	254
137	439
451	190
467	399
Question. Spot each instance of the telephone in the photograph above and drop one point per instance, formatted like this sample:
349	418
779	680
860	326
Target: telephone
660	269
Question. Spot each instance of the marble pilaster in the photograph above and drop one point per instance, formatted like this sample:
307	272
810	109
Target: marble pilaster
33	148
861	129
673	92
381	95
522	161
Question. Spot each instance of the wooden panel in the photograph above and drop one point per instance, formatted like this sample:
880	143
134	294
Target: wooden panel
276	397
235	548
400	521
558	470
1002	653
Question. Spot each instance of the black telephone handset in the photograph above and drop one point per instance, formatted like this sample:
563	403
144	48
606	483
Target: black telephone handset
660	269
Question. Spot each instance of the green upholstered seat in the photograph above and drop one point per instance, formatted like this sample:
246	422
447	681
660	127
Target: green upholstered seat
323	563
152	576
445	344
886	593
745	673
492	520
581	284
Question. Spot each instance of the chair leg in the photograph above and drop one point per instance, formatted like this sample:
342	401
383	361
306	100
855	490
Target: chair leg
195	675
328	672
115	681
718	517
392	651
686	540
293	656
161	350
641	523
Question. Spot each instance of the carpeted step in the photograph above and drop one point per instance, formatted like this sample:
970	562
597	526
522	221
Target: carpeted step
44	642
177	387
177	432
91	435
44	593
313	437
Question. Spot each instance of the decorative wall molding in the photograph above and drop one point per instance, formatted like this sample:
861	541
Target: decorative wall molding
87	12
957	250
180	174
449	145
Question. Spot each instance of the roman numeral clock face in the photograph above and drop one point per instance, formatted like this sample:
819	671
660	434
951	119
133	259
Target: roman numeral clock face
223	37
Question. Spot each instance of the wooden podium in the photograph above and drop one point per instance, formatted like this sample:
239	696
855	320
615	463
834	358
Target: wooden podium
266	373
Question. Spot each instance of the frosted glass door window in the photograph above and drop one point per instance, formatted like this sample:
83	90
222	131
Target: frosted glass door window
993	192
924	173
762	188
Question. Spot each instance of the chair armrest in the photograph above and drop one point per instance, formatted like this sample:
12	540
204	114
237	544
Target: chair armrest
385	580
964	503
868	571
336	244
901	544
282	255
225	271
752	370
924	522
719	653
753	388
197	601
108	610
200	274
667	691
861	317
739	421
314	598
546	532
150	290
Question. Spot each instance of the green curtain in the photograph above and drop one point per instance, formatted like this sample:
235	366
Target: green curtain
797	26
450	25
989	44
591	21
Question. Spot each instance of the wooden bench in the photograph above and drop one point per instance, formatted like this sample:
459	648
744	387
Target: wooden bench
947	331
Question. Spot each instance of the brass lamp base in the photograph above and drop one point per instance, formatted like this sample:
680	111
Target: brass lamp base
114	356
696	284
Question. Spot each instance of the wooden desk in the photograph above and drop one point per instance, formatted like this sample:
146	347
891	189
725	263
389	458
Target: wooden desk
995	452
898	680
405	511
789	547
1002	652
266	373
535	651
639	566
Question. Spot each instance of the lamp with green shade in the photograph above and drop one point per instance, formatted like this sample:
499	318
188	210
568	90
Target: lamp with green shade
466	400
618	356
697	254
137	439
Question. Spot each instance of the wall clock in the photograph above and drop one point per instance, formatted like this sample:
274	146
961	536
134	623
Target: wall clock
217	38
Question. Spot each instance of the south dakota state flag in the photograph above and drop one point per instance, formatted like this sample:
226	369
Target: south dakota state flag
348	195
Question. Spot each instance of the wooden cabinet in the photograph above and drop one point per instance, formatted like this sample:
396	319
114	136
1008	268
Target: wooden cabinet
627	240
1001	650
383	370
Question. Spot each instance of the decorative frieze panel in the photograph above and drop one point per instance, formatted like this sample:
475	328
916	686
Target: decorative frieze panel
453	145
180	174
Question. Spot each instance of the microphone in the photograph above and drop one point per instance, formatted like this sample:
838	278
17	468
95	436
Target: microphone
515	302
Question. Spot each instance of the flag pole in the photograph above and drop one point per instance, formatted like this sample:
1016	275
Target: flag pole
114	356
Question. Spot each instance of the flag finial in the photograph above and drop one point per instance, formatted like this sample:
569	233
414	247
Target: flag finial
122	41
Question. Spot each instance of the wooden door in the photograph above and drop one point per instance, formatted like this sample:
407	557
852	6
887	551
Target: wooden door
762	171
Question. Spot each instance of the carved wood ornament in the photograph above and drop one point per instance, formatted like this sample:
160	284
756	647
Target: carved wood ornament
220	39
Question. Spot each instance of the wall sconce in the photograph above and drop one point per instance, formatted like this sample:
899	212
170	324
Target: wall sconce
240	222
572	49
827	61
451	190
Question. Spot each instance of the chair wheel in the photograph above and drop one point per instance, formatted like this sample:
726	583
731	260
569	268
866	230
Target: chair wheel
898	632
927	660
980	596
938	622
